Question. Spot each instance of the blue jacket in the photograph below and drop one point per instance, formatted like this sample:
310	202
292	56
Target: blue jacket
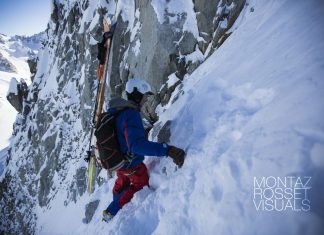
131	134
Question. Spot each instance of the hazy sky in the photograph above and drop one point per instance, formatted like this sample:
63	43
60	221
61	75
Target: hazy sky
24	17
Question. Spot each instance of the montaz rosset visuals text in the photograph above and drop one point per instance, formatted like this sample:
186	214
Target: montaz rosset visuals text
281	193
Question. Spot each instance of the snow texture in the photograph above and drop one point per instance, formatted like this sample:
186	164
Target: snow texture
177	8
16	50
253	109
13	86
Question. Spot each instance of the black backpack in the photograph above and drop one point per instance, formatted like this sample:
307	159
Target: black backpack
110	156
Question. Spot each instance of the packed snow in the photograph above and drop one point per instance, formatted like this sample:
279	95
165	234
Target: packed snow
253	109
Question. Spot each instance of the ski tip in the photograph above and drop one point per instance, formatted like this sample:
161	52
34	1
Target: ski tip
105	26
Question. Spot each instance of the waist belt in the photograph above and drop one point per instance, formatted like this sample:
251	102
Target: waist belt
130	173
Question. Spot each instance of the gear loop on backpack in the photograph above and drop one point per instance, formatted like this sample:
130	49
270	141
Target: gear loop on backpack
110	156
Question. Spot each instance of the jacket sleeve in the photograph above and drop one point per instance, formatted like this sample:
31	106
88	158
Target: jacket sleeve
136	140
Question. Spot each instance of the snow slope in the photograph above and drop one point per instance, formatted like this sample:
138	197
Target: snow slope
253	109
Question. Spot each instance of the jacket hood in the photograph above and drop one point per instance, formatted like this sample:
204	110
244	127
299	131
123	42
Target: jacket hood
120	103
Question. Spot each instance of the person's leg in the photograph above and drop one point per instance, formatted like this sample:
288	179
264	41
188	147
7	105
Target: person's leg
137	181
122	182
121	185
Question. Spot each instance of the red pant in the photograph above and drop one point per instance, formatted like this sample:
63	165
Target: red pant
129	182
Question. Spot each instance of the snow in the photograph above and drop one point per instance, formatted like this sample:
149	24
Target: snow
177	7
126	9
88	16
135	30
253	109
159	8
317	155
195	56
3	154
93	41
13	86
9	83
16	50
94	21
48	86
223	24
172	79
136	48
137	26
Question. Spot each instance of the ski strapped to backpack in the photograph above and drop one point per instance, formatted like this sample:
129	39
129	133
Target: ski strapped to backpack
103	56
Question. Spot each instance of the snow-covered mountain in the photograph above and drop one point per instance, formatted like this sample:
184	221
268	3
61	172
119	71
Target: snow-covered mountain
14	53
242	95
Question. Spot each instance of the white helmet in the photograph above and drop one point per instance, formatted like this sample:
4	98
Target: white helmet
140	85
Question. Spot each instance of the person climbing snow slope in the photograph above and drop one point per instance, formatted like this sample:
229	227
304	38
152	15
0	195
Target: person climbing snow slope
133	176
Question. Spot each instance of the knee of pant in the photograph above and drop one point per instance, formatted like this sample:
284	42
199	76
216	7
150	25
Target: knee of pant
140	180
121	184
115	196
141	177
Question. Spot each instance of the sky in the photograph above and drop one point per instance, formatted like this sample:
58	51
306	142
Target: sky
24	17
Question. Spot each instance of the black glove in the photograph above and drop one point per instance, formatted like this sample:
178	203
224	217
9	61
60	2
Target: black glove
101	47
101	53
87	158
107	35
177	155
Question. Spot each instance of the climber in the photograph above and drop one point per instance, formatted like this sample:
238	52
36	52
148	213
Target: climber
133	176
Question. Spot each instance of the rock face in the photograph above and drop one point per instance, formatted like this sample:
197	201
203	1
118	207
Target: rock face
172	43
157	42
17	93
32	63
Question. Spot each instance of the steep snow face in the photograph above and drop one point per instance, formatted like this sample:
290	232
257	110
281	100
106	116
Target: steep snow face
253	109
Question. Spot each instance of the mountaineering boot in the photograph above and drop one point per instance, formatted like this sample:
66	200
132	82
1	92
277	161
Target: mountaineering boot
106	216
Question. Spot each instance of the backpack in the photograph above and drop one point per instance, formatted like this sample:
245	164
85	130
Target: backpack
110	156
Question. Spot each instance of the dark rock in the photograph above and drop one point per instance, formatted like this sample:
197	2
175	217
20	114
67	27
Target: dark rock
187	43
166	92
32	63
227	13
90	209
161	132
81	180
165	133
17	93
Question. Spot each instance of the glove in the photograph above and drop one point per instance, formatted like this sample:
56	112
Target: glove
101	45
101	53
107	35
177	155
87	158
